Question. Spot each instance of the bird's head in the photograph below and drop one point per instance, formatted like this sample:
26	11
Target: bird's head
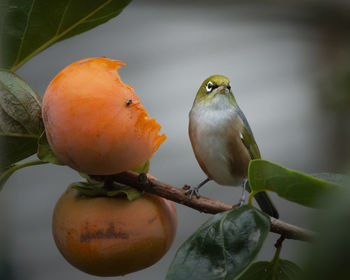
214	86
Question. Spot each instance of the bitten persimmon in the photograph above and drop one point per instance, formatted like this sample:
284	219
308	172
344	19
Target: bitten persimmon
94	122
111	236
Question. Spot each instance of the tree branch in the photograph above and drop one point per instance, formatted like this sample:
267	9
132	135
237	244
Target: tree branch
149	184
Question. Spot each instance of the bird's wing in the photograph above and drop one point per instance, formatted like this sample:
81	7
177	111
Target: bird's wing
247	137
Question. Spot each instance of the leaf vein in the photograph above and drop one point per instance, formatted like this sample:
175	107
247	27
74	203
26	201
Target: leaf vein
24	33
20	104
58	36
14	120
102	17
223	242
62	18
19	135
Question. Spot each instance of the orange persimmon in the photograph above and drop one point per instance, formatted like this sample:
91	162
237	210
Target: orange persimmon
111	236
94	122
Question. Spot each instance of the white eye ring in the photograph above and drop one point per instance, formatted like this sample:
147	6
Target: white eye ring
209	87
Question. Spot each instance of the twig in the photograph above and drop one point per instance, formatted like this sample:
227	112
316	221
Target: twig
203	204
279	242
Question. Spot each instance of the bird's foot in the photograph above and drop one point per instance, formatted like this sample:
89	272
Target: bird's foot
189	190
241	202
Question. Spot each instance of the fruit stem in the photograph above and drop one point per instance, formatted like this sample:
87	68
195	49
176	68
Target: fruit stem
250	198
108	183
28	163
7	173
276	258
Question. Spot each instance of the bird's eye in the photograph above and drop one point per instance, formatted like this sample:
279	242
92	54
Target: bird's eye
229	86
209	87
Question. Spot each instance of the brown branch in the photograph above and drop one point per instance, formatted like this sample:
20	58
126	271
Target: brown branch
149	184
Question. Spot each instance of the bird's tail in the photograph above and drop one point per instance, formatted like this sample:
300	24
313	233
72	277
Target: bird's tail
265	203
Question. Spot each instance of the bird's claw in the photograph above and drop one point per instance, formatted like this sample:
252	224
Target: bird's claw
189	190
241	202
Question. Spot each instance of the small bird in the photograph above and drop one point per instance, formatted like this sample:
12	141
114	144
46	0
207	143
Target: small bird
222	139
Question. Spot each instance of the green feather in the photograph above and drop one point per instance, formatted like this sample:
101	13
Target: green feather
249	141
248	137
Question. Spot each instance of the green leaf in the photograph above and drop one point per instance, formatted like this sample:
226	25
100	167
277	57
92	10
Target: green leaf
20	119
283	270
96	188
88	189
31	26
335	178
330	252
289	184
92	180
143	168
44	151
129	192
222	247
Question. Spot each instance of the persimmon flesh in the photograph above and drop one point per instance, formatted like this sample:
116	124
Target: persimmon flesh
94	122
111	236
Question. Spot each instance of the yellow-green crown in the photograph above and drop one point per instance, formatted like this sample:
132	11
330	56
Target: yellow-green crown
216	80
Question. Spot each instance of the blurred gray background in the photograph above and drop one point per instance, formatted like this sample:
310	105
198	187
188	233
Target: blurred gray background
280	59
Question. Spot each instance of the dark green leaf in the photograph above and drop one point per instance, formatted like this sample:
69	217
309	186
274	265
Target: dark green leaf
336	178
143	168
44	151
330	252
88	189
20	119
283	270
289	184
95	188
31	26
90	179
15	148
222	247
130	193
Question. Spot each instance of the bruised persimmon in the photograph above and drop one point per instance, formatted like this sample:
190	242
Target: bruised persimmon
94	122
111	236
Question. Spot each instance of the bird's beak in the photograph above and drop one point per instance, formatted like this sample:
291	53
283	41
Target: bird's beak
223	88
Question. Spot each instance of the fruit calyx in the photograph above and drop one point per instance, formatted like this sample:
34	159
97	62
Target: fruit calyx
106	187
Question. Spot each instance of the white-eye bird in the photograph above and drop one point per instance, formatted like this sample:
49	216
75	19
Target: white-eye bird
222	139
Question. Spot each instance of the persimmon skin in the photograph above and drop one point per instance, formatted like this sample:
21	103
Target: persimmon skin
111	236
94	122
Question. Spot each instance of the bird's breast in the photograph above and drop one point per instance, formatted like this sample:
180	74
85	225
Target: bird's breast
215	138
